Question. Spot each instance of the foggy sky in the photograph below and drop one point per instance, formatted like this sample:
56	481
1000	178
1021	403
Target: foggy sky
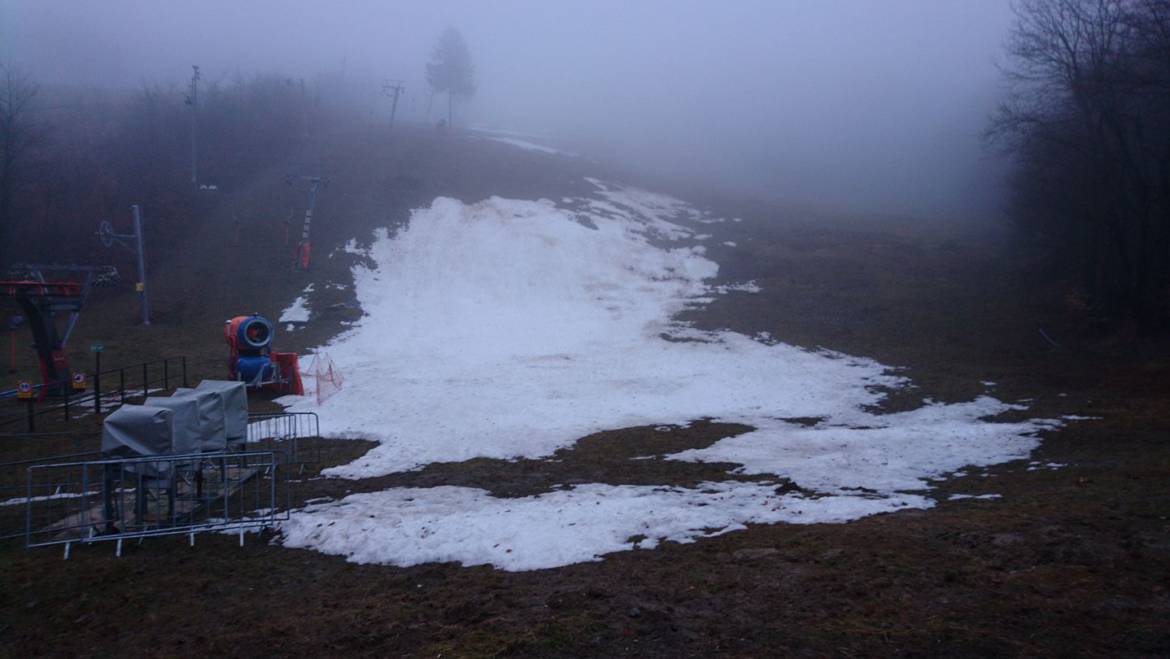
862	104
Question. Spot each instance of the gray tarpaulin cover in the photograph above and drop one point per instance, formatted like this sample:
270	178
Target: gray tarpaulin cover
235	405
133	431
187	426
212	437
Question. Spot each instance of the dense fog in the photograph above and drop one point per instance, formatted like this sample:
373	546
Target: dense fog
855	104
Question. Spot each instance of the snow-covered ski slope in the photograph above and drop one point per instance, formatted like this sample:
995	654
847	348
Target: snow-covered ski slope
510	329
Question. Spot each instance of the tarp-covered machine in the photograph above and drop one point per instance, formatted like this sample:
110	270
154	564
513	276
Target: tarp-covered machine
139	431
235	405
203	419
188	432
201	416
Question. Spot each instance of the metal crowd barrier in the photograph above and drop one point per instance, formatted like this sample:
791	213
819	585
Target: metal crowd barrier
284	431
118	499
51	499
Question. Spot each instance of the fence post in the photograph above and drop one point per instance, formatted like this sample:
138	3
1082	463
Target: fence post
145	383
32	426
166	374
97	382
184	371
66	405
122	386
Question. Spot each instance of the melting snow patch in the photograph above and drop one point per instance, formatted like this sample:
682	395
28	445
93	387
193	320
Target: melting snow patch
1037	466
747	287
649	209
886	453
510	329
409	526
528	146
960	497
296	312
19	501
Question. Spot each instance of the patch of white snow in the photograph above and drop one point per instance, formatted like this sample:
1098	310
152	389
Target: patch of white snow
510	329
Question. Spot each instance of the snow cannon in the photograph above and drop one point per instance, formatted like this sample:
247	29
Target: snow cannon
252	359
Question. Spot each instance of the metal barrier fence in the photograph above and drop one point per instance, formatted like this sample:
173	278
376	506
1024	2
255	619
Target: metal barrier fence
14	488
120	384
279	433
99	500
284	431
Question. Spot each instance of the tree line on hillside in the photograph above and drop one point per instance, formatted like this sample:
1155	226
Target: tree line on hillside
72	157
19	138
1088	120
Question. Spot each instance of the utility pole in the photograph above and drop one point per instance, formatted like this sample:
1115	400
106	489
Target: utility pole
193	101
304	111
140	245
396	89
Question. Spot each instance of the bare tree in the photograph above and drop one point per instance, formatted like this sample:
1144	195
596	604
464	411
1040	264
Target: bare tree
1089	120
18	137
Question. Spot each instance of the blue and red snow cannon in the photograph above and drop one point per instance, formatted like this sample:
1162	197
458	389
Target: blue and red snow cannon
252	359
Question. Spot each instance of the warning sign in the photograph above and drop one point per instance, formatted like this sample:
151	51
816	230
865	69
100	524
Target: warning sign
79	381
24	390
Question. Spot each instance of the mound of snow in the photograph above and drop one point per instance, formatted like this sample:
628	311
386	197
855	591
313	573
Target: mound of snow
510	329
506	329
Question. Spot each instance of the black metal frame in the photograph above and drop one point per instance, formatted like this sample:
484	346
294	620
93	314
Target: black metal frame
105	401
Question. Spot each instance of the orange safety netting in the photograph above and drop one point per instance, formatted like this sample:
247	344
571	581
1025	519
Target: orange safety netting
327	377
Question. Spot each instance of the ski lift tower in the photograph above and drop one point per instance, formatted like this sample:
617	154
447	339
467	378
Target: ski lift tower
136	243
393	89
304	248
41	298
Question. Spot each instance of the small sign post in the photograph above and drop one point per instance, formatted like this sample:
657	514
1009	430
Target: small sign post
96	349
24	391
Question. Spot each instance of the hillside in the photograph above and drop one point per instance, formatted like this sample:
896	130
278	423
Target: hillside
1029	490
